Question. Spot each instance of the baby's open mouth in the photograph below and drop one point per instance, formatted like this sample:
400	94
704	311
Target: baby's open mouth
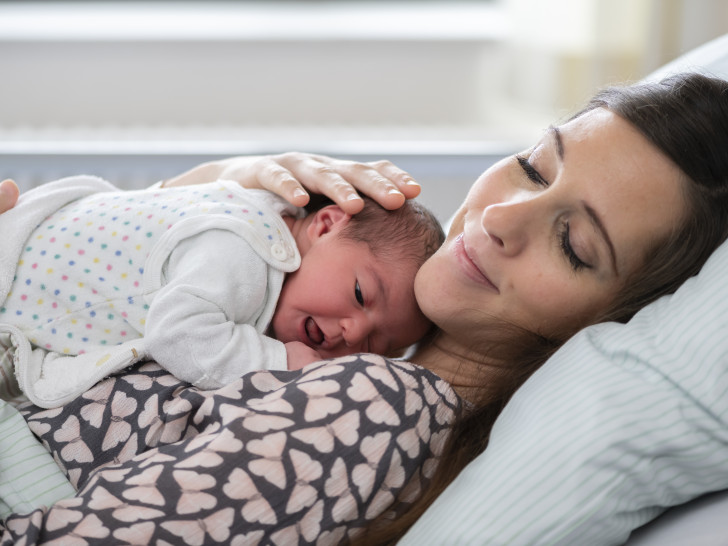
313	332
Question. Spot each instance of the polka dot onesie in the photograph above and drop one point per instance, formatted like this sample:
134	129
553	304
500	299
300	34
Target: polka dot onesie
79	281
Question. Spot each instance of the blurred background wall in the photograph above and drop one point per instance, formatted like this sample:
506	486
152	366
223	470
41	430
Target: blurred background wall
138	91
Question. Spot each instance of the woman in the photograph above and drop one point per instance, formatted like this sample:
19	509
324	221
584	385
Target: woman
604	214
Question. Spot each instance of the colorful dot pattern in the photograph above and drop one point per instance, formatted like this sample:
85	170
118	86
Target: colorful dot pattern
78	284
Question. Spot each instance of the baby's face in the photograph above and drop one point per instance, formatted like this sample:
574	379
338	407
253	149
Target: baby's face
343	300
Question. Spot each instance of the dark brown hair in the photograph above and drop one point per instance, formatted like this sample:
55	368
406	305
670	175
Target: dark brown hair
685	117
410	232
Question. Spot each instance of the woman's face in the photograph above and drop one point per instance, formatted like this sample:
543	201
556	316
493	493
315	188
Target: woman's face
546	239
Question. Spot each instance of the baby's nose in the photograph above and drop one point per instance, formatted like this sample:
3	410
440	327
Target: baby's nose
355	332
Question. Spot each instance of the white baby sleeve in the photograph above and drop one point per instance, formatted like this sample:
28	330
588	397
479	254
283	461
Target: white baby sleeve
203	322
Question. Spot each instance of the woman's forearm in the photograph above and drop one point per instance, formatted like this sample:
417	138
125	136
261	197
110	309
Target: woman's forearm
292	175
236	168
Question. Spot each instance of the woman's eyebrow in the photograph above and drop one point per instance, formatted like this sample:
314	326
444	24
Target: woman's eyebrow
556	134
594	218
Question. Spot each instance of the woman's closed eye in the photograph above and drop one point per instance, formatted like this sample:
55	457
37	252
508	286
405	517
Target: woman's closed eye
532	174
357	293
565	241
573	258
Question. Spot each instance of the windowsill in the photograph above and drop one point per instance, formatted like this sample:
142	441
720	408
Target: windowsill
170	140
252	21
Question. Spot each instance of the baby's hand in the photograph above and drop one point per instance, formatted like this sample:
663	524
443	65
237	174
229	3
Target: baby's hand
299	355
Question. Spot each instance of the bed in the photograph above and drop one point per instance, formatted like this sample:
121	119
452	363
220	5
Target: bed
579	472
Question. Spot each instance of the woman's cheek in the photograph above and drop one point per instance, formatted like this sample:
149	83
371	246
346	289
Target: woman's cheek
458	221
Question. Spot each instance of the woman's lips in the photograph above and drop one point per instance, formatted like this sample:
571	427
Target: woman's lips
471	269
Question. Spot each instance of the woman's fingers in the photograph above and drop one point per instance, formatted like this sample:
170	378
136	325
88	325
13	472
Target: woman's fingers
276	178
381	180
331	179
343	180
9	193
294	175
402	179
369	181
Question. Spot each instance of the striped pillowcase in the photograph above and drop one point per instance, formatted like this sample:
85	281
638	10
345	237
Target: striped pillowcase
29	477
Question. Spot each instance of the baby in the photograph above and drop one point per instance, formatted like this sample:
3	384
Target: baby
214	281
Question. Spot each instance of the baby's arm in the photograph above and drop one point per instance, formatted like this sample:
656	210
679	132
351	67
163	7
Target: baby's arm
201	323
300	355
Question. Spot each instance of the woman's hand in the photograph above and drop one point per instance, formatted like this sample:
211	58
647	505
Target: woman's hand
291	174
8	195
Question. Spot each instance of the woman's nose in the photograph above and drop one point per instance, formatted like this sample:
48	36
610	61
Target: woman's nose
509	224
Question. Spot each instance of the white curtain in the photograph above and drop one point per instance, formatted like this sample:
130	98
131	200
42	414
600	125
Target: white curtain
564	50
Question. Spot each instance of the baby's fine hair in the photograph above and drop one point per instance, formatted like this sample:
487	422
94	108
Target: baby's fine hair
410	232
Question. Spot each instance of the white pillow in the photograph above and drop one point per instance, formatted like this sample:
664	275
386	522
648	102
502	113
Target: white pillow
711	58
622	422
701	522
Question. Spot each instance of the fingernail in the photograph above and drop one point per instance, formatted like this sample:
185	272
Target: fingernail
353	197
394	191
298	192
411	182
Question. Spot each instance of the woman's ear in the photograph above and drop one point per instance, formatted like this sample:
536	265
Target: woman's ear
325	220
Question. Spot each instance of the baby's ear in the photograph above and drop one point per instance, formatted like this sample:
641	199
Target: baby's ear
327	219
